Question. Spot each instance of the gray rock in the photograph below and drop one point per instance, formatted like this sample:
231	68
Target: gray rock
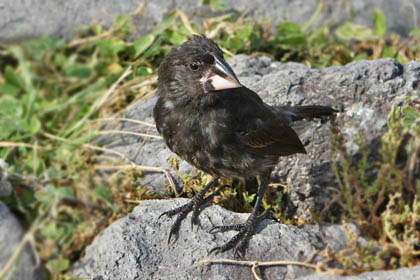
412	273
135	247
11	233
364	90
22	19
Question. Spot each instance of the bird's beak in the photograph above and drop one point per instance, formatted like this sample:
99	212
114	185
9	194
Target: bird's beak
221	76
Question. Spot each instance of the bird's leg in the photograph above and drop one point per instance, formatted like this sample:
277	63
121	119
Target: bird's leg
245	231
194	205
197	207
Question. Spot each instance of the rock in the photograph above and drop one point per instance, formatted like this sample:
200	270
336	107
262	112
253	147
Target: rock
23	19
11	233
412	273
364	91
135	246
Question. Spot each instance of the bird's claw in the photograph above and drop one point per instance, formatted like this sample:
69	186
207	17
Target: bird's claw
219	229
183	212
166	213
195	205
194	217
173	212
241	240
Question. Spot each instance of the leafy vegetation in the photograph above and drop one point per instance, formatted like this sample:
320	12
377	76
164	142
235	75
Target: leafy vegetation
387	207
55	95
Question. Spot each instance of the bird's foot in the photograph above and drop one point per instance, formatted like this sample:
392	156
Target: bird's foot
183	212
196	204
241	240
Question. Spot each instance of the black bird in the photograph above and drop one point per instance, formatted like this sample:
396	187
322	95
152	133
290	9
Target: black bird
221	127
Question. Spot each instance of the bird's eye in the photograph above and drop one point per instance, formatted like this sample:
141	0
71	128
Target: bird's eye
194	66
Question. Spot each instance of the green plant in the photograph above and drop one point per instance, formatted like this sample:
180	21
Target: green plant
386	208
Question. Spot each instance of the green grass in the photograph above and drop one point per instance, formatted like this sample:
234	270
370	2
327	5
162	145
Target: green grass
55	95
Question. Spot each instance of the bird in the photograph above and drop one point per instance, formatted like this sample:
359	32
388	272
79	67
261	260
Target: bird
221	127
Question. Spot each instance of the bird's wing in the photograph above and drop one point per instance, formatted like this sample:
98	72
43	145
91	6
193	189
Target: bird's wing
259	129
273	137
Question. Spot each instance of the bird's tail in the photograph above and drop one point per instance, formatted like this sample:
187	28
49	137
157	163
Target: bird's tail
297	113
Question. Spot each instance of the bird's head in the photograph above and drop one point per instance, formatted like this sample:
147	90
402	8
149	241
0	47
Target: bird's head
195	67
